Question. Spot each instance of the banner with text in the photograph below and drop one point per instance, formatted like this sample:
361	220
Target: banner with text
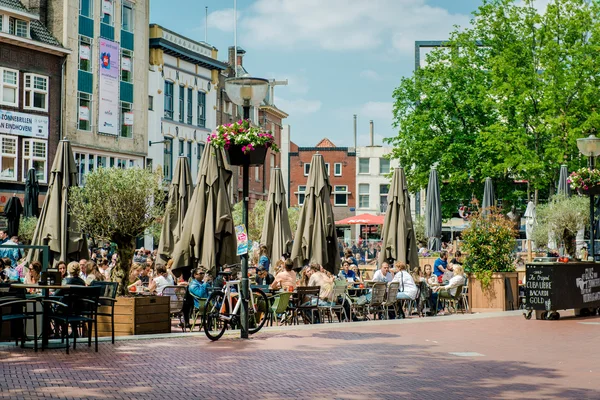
108	107
29	125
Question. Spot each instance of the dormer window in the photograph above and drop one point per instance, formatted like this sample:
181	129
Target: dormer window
18	27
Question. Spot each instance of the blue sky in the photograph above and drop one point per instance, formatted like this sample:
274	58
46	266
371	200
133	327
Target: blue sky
341	57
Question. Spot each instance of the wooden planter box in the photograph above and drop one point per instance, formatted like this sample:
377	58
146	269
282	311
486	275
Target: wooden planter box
137	315
495	297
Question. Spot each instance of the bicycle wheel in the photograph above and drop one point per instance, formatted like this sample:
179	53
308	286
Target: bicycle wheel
214	325
257	315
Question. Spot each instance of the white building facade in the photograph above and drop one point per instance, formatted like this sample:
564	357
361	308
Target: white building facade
182	99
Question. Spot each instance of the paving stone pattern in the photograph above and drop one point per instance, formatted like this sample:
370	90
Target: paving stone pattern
406	359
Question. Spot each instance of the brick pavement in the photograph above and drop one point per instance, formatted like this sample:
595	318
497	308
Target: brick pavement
506	357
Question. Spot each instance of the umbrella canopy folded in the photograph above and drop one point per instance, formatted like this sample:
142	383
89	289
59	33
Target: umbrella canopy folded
433	212
362	219
529	220
208	235
563	186
399	241
32	192
315	239
55	227
488	196
180	194
276	232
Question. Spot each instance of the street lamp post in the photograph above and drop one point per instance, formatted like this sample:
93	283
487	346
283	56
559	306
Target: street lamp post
590	147
245	91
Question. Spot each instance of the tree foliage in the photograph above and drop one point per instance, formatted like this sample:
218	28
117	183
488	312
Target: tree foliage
26	228
506	97
256	218
118	205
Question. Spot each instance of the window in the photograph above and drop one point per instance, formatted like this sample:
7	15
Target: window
100	162
383	195
126	120
168	100
257	174
9	84
201	109
340	195
80	164
168	159
127	16
151	103
337	169
85	53
200	150
1	18
189	105
18	27
8	158
384	166
107	12
327	169
34	156
126	65
363	195
181	103
363	165
300	193
149	165
85	105
36	92
181	145
189	153
86	8
306	169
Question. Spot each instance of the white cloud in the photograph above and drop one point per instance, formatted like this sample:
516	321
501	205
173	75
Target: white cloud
341	24
298	106
370	75
377	110
223	19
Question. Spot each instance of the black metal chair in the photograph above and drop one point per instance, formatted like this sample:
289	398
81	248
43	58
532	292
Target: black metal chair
108	298
305	297
78	306
13	310
177	296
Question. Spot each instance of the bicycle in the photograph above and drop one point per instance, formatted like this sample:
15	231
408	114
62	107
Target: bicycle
217	315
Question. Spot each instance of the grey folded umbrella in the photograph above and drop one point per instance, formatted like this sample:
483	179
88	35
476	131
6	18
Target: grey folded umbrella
32	192
488	196
208	234
399	242
433	212
180	195
276	232
56	227
563	186
315	239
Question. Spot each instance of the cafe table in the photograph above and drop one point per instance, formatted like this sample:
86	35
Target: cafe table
45	289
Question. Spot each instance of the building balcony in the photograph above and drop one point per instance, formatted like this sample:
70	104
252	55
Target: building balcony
86	26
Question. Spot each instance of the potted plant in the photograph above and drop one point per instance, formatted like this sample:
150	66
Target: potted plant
243	143
489	242
585	181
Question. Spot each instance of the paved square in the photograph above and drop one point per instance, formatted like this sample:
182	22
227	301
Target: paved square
454	357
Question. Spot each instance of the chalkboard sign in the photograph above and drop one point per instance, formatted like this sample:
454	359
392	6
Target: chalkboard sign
559	286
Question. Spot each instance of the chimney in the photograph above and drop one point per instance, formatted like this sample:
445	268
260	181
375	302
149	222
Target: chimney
354	132
371	133
38	7
231	57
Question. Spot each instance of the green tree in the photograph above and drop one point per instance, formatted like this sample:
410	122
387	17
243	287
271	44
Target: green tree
506	98
256	216
26	228
118	205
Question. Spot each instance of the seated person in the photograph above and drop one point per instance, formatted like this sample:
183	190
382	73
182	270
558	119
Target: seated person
408	289
222	277
198	286
356	270
35	271
161	281
286	278
450	289
321	279
73	270
263	277
383	274
346	273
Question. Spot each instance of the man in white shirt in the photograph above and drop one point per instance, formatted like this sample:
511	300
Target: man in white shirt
383	274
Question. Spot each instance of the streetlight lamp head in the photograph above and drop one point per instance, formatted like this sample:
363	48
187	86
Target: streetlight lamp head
589	146
246	91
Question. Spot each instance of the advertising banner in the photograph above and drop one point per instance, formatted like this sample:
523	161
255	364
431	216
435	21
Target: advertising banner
84	113
84	52
242	239
107	7
128	118
108	107
21	124
126	63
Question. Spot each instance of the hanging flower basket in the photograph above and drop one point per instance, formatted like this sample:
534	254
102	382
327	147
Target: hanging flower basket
585	180
244	144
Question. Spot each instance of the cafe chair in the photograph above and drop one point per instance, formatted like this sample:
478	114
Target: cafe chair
198	312
307	303
279	307
107	300
78	306
337	305
13	310
390	300
375	306
449	301
177	297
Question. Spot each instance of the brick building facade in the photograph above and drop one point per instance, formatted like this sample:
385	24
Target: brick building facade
31	62
341	165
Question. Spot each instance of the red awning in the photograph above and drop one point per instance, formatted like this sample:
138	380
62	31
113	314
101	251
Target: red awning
362	219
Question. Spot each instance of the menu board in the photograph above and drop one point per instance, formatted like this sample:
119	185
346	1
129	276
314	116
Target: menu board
538	286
